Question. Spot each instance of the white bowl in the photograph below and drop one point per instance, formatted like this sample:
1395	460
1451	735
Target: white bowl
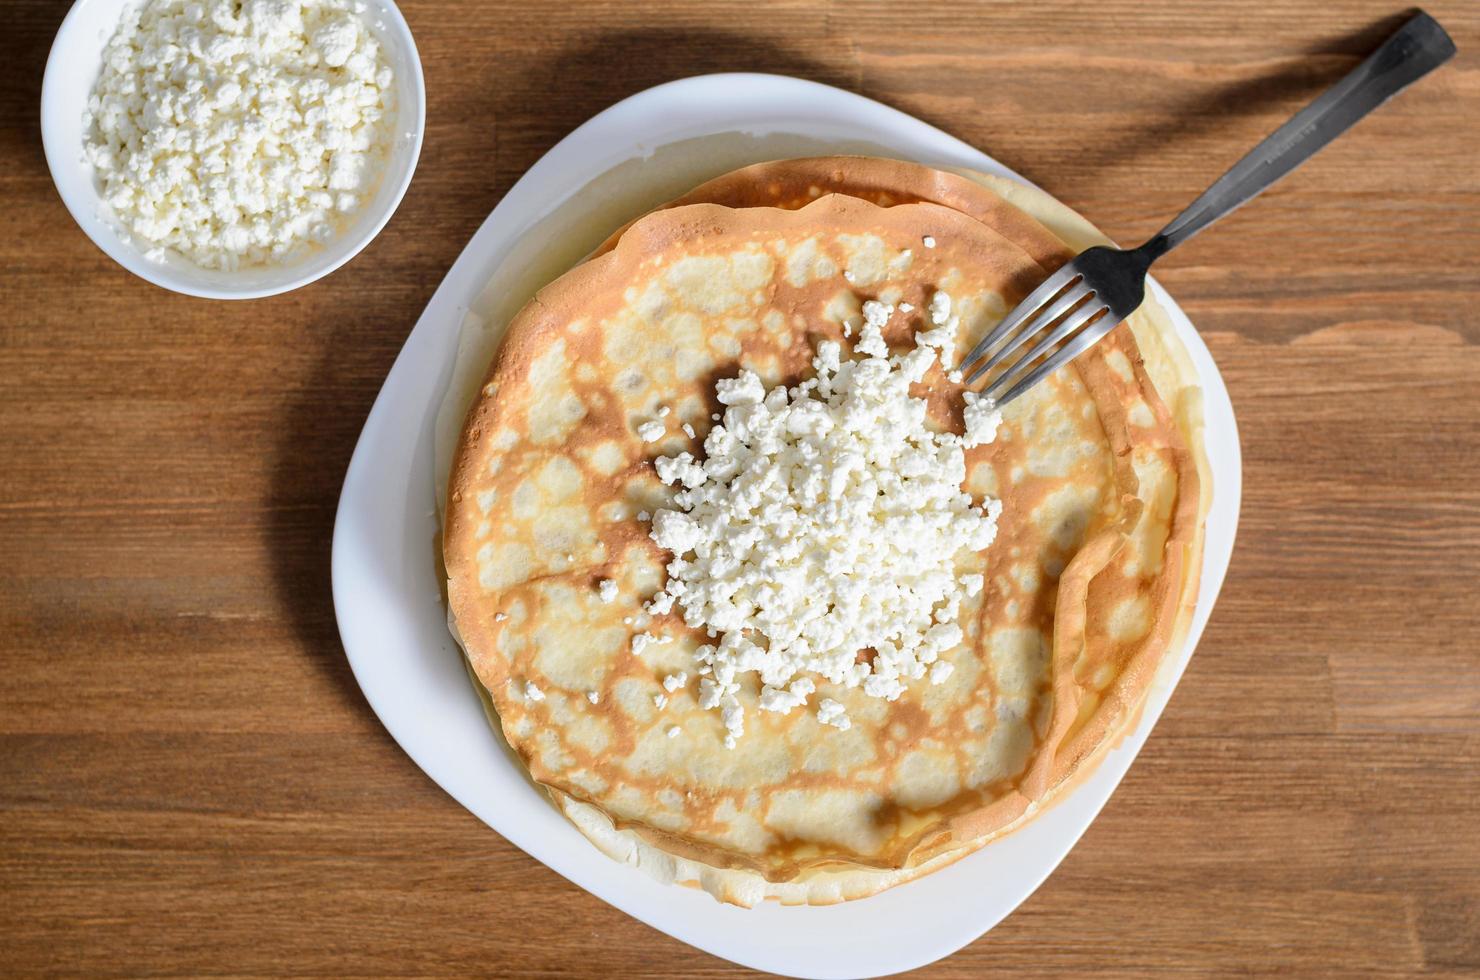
72	70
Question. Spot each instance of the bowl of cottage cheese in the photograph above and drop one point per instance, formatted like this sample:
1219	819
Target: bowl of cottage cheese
232	149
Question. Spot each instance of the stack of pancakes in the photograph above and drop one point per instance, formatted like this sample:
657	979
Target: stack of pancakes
1089	584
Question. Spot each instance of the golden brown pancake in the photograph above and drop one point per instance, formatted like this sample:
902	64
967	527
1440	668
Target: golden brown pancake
1058	661
793	184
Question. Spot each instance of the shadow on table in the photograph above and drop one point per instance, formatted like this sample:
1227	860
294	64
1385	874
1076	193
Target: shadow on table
559	91
317	435
24	44
1287	86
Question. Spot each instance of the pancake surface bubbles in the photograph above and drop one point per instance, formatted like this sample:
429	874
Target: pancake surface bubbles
552	475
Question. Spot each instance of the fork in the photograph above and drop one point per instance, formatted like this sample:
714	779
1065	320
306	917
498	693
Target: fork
1100	287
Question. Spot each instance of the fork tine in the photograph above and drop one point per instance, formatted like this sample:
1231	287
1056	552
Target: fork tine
1048	341
1028	361
1085	339
1050	288
1069	299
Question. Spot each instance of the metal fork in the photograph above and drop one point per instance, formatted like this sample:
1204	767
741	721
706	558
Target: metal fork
1099	288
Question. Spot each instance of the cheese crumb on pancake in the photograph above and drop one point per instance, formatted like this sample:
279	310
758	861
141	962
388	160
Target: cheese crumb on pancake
825	522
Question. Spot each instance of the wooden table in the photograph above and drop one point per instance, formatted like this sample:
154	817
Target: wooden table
190	781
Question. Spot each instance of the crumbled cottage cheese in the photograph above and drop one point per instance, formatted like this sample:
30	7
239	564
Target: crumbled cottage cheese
981	418
238	133
943	336
831	712
825	520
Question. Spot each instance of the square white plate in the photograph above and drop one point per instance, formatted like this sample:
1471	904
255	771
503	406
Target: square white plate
388	599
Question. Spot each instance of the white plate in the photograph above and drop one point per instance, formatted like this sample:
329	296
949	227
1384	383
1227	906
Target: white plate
387	596
71	71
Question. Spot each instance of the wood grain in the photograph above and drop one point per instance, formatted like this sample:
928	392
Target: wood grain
190	783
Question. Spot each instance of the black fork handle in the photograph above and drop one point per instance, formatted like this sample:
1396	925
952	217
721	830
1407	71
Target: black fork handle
1417	48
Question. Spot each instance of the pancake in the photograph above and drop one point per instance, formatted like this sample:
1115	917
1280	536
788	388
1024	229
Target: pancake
921	780
792	184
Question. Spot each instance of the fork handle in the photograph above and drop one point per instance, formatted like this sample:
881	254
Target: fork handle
1418	47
